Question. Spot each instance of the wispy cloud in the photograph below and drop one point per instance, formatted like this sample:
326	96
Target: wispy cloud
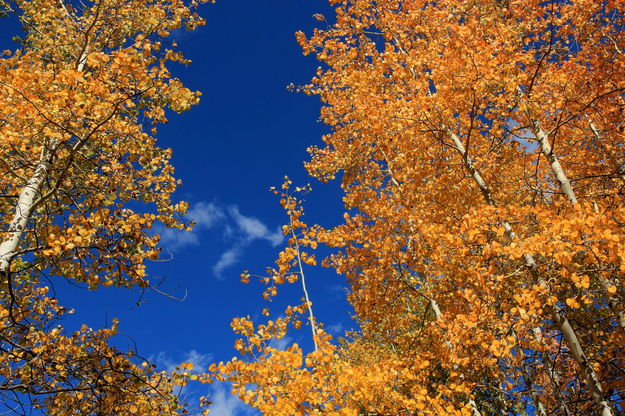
238	230
227	259
335	329
225	404
338	291
200	361
253	229
241	233
280	344
205	215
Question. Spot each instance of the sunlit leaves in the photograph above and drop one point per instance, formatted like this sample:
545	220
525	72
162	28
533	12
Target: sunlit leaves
435	111
84	183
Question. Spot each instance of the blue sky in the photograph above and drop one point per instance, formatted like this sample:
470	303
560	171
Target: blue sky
246	134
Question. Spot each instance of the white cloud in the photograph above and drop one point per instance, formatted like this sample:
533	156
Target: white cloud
238	230
205	215
335	329
242	233
338	291
165	362
175	239
253	229
227	259
280	344
200	361
226	404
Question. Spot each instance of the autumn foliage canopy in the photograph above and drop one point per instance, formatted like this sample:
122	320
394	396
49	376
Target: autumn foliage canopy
82	183
480	148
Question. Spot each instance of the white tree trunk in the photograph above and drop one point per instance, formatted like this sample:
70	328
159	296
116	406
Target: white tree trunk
311	316
598	394
567	331
24	207
547	151
27	198
565	186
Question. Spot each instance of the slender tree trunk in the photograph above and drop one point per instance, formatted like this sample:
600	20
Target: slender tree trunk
311	316
24	207
564	325
27	198
547	151
565	186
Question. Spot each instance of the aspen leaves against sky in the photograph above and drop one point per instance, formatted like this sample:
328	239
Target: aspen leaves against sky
480	149
479	145
78	101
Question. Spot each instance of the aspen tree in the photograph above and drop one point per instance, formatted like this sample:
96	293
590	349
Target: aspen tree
441	115
83	181
479	146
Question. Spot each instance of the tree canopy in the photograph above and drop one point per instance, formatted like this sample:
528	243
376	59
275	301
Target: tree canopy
479	146
82	184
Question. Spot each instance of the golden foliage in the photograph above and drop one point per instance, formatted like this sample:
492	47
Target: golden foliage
82	185
480	146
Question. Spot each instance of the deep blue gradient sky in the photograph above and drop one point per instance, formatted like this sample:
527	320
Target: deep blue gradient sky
246	134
